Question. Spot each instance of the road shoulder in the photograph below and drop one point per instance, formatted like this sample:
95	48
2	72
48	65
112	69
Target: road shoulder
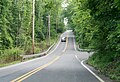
84	61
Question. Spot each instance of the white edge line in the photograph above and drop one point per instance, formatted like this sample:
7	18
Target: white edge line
89	69
21	63
101	80
56	46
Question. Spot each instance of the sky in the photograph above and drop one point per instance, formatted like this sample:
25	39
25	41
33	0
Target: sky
64	5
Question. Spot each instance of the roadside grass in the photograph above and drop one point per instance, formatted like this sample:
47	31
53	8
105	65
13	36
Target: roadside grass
12	56
107	65
8	64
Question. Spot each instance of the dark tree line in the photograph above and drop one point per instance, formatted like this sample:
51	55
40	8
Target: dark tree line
96	24
16	25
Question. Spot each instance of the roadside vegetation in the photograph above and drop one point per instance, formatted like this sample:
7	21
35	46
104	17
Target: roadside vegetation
16	27
96	24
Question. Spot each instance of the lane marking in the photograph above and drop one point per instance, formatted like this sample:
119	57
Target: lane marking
95	75
21	63
23	77
32	59
54	49
101	80
82	63
58	45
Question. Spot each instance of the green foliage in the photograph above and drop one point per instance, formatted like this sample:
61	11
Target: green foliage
16	25
10	55
106	64
96	25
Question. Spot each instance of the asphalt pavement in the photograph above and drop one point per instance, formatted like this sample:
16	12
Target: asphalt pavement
63	64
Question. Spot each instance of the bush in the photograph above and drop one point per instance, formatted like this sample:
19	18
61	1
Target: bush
106	64
10	55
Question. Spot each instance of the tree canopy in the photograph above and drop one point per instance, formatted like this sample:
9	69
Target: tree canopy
16	24
96	24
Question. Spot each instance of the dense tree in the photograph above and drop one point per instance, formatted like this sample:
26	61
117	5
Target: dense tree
96	25
16	24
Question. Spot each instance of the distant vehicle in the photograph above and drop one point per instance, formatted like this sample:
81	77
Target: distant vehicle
63	39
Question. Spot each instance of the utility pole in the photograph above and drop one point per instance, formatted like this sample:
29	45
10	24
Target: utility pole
56	24
33	24
48	28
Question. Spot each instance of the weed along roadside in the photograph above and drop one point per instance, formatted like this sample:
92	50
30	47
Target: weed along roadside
24	24
24	57
107	67
96	25
27	57
13	55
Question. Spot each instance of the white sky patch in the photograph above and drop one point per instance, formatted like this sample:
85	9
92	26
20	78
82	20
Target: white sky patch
64	4
65	21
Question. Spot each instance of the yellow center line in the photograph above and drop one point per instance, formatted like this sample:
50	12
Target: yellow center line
23	77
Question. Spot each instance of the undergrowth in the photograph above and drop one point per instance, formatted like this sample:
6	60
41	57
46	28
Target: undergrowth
12	55
106	64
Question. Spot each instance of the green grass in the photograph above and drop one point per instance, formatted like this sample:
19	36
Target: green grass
7	64
12	56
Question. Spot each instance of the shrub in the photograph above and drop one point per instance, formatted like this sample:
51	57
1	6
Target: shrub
10	55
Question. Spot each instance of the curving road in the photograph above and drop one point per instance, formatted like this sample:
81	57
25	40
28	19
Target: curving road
62	64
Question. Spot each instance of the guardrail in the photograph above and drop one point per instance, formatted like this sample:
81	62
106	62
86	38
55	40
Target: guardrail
85	50
23	57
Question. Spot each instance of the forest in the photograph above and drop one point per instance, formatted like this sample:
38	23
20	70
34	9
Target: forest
16	27
96	24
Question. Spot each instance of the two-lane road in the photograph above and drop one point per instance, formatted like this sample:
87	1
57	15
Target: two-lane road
61	65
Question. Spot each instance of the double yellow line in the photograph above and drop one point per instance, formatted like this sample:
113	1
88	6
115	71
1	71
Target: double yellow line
23	77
